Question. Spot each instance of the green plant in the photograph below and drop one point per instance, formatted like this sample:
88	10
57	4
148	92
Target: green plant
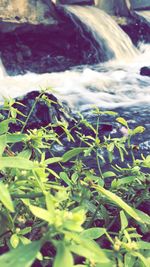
81	216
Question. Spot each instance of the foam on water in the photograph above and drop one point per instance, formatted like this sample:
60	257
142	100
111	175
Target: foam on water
111	84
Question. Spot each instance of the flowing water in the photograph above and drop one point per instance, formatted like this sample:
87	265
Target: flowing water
111	84
111	40
116	83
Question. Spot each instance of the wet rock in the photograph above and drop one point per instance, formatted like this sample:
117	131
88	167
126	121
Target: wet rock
42	49
137	28
145	71
16	13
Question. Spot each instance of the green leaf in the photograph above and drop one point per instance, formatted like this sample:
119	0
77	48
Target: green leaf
53	173
14	138
25	231
41	214
16	162
26	154
5	197
90	250
119	202
77	219
74	177
122	181
72	153
111	113
23	256
13	112
63	256
109	174
143	216
65	178
122	121
24	240
145	261
139	129
143	245
14	240
50	204
93	233
129	260
124	221
4	125
2	144
52	160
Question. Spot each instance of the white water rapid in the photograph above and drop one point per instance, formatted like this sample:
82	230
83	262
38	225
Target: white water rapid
111	84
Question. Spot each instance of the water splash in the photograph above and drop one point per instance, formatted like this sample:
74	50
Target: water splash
111	39
108	85
2	70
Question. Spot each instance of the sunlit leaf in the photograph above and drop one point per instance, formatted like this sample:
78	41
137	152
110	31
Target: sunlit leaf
145	261
90	250
143	245
138	129
14	240
124	221
16	137
119	202
93	233
5	197
52	160
25	154
122	121
72	153
2	144
4	125
41	213
108	174
63	256
143	216
16	162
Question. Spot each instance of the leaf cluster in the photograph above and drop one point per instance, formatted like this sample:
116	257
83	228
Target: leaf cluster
81	216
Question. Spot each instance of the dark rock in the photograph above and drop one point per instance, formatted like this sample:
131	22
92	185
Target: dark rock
117	7
137	28
42	49
145	71
37	110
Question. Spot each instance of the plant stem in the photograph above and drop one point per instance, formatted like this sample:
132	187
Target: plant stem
29	115
29	195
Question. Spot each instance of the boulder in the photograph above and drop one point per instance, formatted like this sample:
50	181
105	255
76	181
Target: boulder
44	48
14	13
145	71
140	4
114	7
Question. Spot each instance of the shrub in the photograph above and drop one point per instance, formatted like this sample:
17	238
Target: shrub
55	210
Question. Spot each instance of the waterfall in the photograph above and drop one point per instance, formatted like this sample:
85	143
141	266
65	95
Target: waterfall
111	39
2	70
